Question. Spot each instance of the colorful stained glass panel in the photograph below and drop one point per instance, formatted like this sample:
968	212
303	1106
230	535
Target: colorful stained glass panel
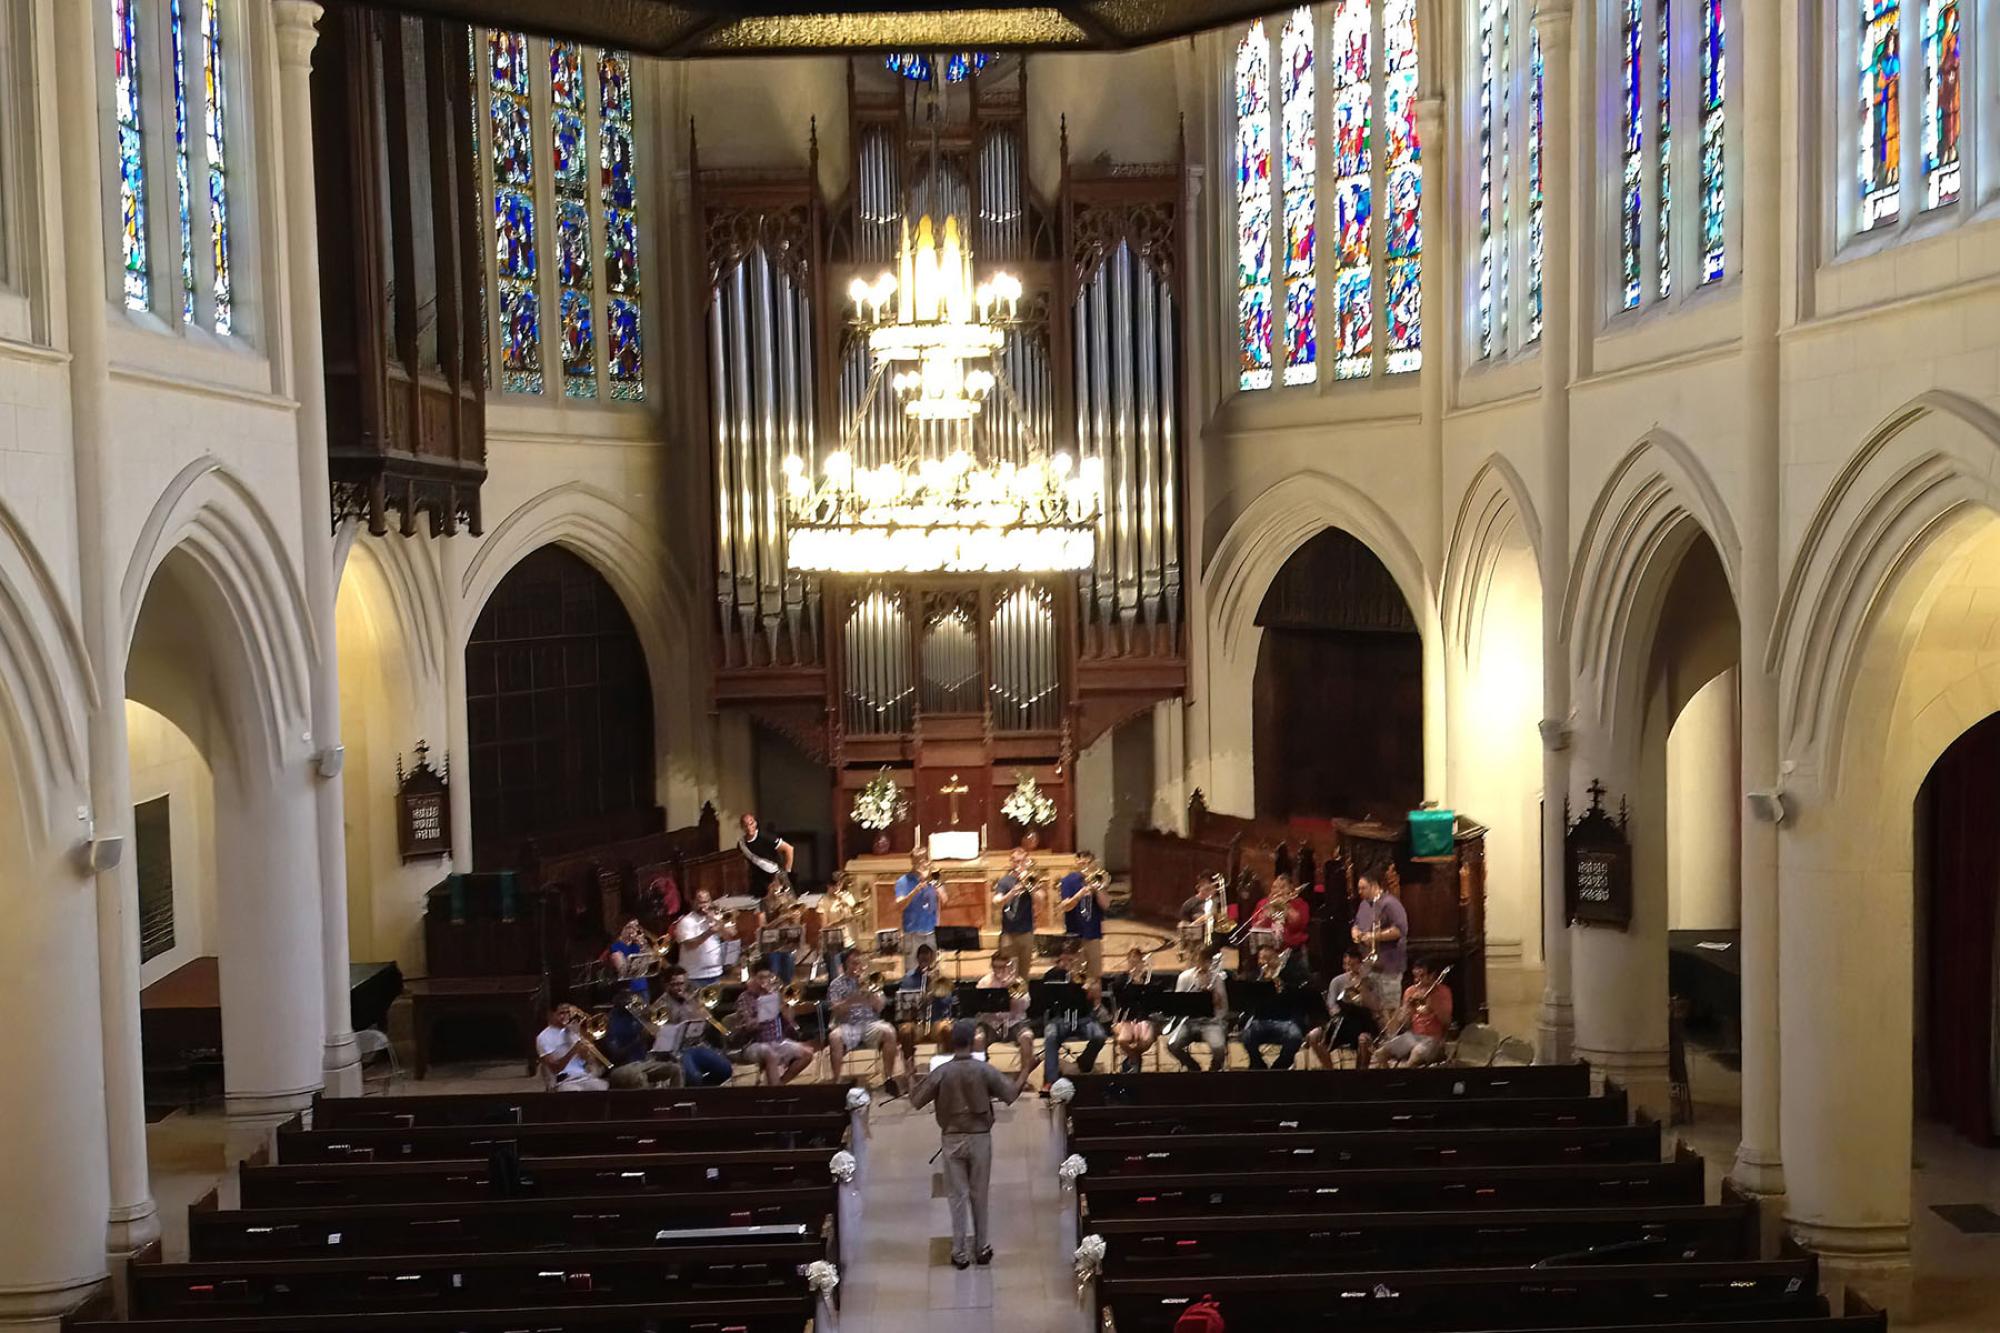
1714	143
1941	103
1665	125
1403	240
1301	200
1350	46
1631	188
1253	208
624	317
131	154
516	260
221	290
579	345
183	189
1489	94
1536	240
1879	162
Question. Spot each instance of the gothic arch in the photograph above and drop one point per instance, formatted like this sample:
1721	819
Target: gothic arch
47	685
409	573
1496	504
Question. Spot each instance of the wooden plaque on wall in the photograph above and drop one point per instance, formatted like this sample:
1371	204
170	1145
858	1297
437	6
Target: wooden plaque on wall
423	809
1598	867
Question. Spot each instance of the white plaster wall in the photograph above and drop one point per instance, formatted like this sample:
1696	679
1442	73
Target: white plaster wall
165	763
1703	824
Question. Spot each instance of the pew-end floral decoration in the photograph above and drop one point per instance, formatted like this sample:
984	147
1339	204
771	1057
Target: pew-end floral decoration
841	1166
1088	1261
822	1277
1072	1167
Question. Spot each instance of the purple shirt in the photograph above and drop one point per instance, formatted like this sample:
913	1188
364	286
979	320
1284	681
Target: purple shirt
1391	955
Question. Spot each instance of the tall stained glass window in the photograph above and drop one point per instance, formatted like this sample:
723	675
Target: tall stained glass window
1879	161
1941	103
1301	199
516	263
1490	95
1352	51
131	153
184	190
1535	221
1631	198
1666	137
570	171
1403	242
1506	100
1714	142
216	140
1253	208
624	343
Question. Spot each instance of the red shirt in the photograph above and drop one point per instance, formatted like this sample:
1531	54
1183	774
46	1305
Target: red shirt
1435	1017
1293	931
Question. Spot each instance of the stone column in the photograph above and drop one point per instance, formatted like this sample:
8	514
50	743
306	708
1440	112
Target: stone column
1556	1028
1432	312
1758	55
297	23
133	1218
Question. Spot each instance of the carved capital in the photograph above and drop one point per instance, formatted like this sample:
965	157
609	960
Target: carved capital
297	23
1552	20
1556	734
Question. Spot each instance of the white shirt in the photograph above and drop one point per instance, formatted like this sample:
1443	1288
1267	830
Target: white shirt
705	959
553	1039
1190	980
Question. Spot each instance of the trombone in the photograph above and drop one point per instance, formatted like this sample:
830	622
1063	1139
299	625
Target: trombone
591	1029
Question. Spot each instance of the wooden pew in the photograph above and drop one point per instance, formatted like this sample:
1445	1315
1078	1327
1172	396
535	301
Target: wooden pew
1779	1294
426	1110
1190	1243
1189	1154
828	1130
328	1183
1433	1189
593	1222
768	1314
520	1280
1250	1118
1253	1086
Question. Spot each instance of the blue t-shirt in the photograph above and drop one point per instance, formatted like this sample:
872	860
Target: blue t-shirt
920	913
1017	917
919	980
1083	921
1392	955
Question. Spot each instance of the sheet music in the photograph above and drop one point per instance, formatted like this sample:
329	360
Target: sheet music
767	1008
673	1036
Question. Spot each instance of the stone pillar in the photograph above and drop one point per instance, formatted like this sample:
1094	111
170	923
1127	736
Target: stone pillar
133	1219
457	743
297	23
1556	1027
1758	54
1433	306
1702	810
1170	786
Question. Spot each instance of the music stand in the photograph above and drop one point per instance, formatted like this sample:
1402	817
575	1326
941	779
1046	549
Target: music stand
976	1001
1048	998
957	940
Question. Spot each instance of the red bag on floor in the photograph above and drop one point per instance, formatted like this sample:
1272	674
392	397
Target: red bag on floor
1204	1316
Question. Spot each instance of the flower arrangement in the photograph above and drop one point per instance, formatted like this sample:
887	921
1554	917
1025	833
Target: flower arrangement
880	803
1026	805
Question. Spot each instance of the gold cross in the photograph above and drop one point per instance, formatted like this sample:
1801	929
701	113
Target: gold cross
954	789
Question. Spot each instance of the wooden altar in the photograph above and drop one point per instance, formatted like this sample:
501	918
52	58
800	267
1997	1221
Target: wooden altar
968	890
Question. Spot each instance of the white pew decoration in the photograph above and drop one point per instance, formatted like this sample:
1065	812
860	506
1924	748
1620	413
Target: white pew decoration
1088	1261
1061	1092
842	1166
822	1277
1072	1167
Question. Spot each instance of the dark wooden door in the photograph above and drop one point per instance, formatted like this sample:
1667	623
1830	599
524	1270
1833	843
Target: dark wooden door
1339	724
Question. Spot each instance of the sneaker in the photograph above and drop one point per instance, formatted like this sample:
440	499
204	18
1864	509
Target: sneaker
986	1256
960	1262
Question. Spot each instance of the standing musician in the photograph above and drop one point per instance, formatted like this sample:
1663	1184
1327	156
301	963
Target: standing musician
1275	1022
701	932
1206	975
1353	1016
762	1012
766	853
856	1010
1420	1025
1284	910
1083	901
1380	926
922	1011
1135	1031
567	1055
1083	1024
1013	1024
920	894
1014	895
702	1065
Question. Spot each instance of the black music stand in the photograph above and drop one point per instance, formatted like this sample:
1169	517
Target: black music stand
976	1001
958	940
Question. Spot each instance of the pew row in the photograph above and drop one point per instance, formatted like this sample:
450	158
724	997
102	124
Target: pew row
1255	1086
1252	1118
442	1109
828	1130
327	1183
768	1314
1288	1151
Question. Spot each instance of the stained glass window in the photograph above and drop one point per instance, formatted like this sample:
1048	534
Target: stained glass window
1506	100
1351	47
177	39
623	323
1881	137
478	186
1631	195
1666	136
570	172
1403	240
1941	103
516	263
1301	200
131	153
218	174
1253	208
1714	142
958	66
1489	95
1535	239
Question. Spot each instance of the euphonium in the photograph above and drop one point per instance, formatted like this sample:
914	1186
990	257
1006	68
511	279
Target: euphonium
792	992
874	982
1017	989
1097	880
943	988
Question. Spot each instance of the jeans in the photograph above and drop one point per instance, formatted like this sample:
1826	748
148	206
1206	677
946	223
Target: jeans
968	1166
704	1066
1087	1030
1213	1034
781	963
1280	1032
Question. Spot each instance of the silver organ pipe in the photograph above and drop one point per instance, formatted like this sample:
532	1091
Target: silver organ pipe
876	659
1027	681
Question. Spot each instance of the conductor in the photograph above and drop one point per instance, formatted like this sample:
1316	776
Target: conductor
963	1091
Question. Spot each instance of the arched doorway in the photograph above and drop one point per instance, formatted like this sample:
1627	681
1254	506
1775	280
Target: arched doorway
1338	699
1957	863
559	709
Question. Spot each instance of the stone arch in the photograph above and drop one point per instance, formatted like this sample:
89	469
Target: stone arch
413	587
1495	506
46	688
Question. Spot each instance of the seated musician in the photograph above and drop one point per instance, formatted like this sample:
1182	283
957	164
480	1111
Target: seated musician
1293	926
856	1011
701	932
565	1052
1424	1019
1275	1023
1085	1025
1081	898
702	1065
1135	1031
632	958
629	1044
1207	974
1353	1019
763	1013
924	1014
1209	907
1013	1024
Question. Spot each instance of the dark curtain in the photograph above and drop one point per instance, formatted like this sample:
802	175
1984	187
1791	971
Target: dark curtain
1963	793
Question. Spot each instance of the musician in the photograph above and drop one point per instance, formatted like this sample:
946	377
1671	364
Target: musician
1135	1031
920	896
1082	901
765	852
933	1014
701	932
702	1066
1275	1023
774	1044
1206	975
1380	927
1355	1026
1292	923
629	1044
856	1010
564	1052
631	956
1013	1024
1017	913
1424	1018
1209	907
1086	1025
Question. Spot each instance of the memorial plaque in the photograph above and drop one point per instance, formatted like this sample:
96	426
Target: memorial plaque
423	809
1598	856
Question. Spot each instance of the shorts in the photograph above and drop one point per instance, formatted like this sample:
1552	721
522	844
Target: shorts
1388	992
1005	1027
786	1051
860	1036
